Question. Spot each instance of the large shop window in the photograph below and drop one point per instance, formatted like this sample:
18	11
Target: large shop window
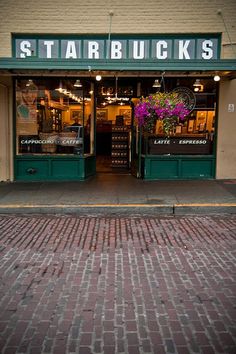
193	136
54	116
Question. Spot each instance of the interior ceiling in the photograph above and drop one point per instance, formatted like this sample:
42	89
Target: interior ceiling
123	73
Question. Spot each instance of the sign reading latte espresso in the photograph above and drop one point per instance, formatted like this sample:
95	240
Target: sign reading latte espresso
179	145
202	48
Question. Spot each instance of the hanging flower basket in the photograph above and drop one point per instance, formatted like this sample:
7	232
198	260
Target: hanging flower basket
167	107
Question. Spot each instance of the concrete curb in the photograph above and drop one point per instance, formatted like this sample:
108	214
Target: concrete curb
120	209
205	208
88	209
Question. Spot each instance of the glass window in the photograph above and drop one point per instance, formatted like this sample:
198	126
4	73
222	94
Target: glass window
53	116
193	135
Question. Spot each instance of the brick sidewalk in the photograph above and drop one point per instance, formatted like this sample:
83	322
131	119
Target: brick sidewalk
117	285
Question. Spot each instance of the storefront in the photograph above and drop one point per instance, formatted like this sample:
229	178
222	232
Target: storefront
74	104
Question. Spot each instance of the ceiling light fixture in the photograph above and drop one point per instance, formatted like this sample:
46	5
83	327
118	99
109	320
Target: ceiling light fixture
29	83
160	84
78	83
60	88
98	77
197	83
198	87
156	84
216	78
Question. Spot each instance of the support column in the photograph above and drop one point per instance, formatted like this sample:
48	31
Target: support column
6	160
226	140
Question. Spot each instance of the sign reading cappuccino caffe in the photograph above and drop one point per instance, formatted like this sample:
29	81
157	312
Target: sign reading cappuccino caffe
158	48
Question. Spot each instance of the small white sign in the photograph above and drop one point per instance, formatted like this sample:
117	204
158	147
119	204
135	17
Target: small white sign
231	107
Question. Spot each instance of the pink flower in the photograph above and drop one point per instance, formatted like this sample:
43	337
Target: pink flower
161	106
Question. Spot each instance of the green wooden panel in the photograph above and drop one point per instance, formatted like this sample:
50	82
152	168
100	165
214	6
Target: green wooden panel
162	169
197	168
66	168
156	167
90	166
32	170
47	168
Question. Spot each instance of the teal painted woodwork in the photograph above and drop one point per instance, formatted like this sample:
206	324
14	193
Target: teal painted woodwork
156	167
48	168
90	166
65	169
125	64
201	169
163	168
32	169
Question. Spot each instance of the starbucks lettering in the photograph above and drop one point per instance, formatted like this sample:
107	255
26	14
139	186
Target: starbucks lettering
136	49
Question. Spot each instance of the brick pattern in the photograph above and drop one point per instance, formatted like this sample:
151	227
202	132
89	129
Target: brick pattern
117	285
89	16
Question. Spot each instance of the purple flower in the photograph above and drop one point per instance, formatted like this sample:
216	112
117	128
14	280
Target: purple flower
160	106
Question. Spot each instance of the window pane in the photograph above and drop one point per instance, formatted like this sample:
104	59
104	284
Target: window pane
52	116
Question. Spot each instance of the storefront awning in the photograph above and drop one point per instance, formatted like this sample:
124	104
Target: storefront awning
33	66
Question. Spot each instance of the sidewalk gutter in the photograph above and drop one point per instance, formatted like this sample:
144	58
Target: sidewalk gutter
204	208
120	209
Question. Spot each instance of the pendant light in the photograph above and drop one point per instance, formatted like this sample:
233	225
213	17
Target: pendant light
30	83
78	83
156	84
60	88
198	87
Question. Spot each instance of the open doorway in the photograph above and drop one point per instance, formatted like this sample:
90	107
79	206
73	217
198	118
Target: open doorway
113	125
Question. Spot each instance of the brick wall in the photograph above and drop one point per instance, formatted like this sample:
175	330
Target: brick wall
90	16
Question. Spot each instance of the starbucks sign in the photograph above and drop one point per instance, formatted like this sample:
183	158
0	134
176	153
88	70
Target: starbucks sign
158	48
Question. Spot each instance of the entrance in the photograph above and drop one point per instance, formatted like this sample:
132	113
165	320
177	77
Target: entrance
113	143
114	125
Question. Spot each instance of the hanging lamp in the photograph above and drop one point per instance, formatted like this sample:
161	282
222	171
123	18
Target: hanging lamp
156	84
78	83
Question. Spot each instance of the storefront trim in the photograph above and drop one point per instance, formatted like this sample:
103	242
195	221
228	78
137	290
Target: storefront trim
106	65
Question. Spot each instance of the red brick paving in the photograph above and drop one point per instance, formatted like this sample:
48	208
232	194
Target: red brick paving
117	285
